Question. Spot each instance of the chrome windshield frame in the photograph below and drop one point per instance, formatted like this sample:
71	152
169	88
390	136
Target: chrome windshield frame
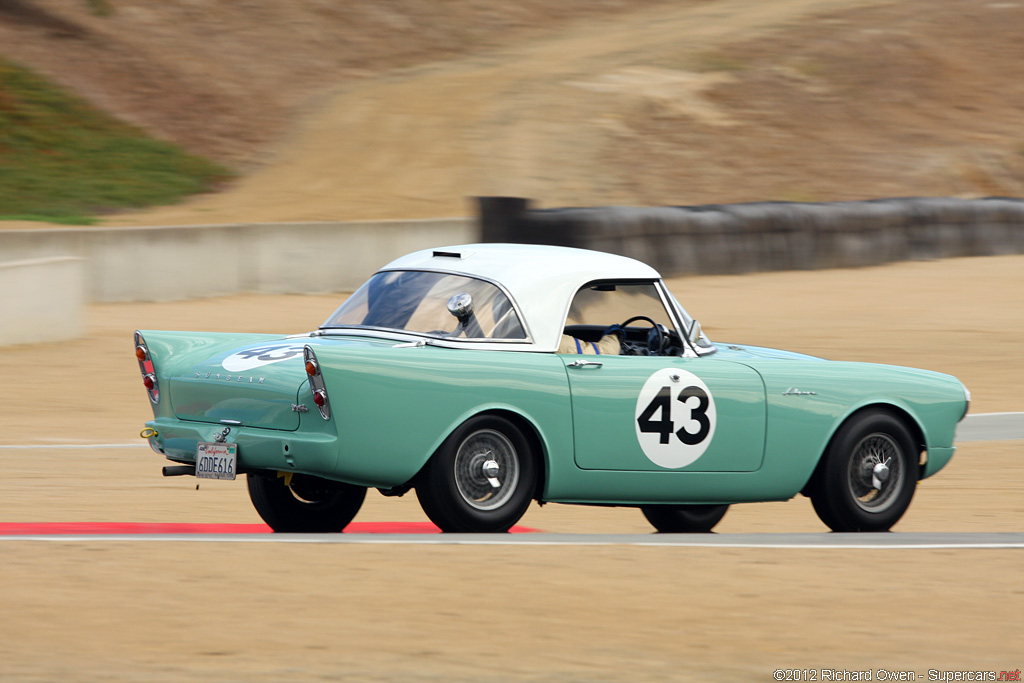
676	311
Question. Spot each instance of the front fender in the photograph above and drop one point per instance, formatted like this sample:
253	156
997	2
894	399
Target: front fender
808	401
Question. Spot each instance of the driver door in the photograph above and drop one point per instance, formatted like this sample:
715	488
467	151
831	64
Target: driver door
663	413
657	413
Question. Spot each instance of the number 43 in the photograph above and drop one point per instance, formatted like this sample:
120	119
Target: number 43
665	427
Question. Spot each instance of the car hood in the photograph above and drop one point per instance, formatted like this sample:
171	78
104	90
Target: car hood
741	352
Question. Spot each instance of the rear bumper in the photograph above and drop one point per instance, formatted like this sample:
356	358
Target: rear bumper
258	449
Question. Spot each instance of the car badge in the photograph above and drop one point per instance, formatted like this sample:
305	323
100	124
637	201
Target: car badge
236	378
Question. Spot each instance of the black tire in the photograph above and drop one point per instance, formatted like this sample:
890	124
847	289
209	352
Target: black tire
454	489
308	505
868	475
684	519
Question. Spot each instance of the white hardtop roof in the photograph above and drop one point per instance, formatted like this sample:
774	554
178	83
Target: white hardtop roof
541	279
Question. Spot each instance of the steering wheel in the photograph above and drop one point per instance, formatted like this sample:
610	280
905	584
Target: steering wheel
655	350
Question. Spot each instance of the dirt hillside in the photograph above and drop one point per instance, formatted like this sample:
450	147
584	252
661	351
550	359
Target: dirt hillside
404	109
226	79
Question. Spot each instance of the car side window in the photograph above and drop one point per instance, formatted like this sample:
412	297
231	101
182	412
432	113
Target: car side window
596	316
606	304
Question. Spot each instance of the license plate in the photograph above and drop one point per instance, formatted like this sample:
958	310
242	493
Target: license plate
216	460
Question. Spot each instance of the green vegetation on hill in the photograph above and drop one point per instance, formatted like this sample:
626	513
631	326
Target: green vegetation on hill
63	161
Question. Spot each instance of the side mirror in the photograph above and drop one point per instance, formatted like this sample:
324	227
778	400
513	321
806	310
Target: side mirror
461	306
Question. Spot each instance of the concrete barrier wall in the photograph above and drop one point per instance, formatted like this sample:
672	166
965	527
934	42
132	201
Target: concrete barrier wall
738	238
171	263
41	300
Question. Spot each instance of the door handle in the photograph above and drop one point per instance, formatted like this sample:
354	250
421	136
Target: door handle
585	364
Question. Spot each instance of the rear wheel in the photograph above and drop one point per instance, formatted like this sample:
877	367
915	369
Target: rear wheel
481	479
306	504
868	476
684	519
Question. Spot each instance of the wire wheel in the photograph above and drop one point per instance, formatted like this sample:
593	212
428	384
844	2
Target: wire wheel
486	469
876	472
481	479
867	477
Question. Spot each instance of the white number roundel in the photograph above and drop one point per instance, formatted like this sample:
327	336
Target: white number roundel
675	418
262	355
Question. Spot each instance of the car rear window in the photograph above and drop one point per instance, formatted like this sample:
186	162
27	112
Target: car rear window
417	301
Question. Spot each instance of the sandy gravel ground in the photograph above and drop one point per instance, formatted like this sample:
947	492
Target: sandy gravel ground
197	611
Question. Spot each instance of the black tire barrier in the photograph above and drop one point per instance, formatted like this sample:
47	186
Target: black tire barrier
762	236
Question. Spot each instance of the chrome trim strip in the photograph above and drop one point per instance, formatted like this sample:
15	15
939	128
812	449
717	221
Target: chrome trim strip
670	303
429	339
388	335
316	382
689	350
154	393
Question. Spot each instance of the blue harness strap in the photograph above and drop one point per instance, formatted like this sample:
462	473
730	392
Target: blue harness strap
579	349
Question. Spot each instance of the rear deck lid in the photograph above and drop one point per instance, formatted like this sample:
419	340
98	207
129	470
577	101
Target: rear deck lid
255	385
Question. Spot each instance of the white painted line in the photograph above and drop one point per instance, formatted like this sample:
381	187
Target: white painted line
61	446
1013	541
991	427
989	415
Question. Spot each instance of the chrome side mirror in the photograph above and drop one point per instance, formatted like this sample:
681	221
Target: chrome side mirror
461	306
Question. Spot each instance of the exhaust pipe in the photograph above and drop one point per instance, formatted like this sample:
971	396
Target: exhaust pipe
179	470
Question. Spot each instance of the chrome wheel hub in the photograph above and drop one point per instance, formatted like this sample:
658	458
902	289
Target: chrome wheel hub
486	469
880	474
876	472
491	471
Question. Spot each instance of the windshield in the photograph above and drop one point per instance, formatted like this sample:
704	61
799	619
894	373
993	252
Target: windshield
607	304
418	301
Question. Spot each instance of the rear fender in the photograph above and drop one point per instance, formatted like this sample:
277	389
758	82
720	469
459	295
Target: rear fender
174	352
394	406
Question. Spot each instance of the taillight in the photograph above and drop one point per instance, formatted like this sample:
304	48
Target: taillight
316	383
146	367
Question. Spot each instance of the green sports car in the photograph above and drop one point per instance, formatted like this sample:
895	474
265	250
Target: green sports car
486	376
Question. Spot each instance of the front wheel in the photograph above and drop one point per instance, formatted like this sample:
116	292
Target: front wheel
304	503
868	475
481	479
684	519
